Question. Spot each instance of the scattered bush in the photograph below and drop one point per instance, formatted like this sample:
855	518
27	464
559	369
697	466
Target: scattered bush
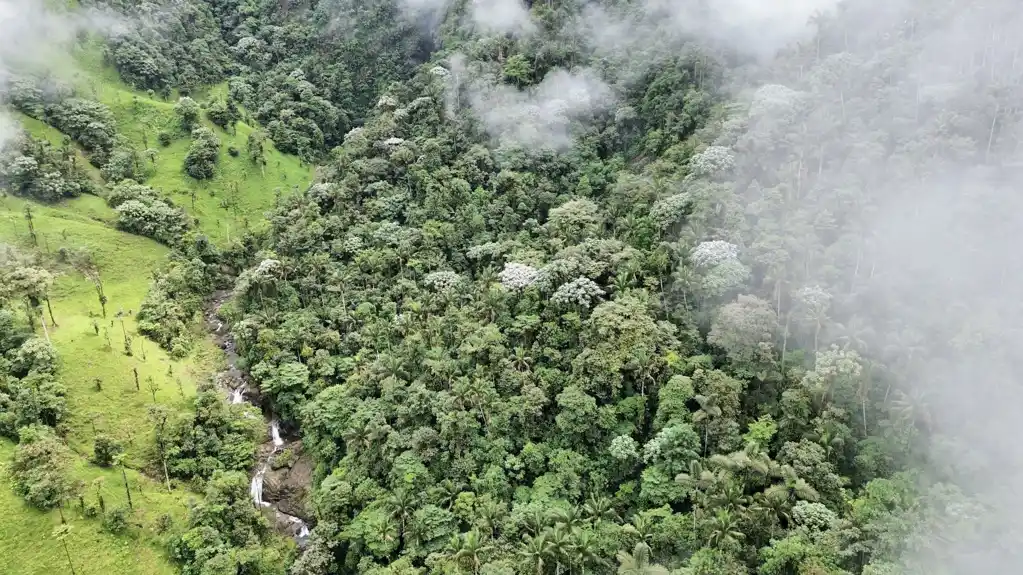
90	510
177	295
105	449
35	168
164	138
125	163
41	467
117	521
91	124
223	114
201	161
141	210
163	524
187	111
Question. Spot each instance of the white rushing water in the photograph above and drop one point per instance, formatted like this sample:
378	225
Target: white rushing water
275	434
256	486
237	395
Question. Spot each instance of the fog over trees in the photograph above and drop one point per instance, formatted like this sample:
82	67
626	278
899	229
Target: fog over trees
656	286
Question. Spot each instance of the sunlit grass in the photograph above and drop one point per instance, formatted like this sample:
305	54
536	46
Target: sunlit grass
237	198
27	547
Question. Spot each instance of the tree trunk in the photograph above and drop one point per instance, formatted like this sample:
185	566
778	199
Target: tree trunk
68	553
166	475
126	489
46	332
991	133
49	309
31	316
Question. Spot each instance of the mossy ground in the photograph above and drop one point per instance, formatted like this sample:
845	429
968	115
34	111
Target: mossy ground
224	207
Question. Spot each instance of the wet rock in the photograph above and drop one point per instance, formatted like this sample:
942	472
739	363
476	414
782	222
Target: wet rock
287	487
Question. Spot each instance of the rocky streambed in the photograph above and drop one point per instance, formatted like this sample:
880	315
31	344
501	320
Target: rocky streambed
280	482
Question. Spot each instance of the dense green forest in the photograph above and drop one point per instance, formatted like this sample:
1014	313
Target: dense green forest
574	286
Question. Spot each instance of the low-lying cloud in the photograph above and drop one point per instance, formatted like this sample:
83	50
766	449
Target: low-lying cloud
35	40
501	16
635	36
542	115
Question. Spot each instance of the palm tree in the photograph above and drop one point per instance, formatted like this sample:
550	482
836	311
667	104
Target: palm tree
522	361
771	511
730	497
446	492
400	505
119	462
490	513
696	480
642	526
724	529
598	508
570	517
638	562
60	533
535	550
560	546
790	490
536	521
356	437
709	410
471	550
584	550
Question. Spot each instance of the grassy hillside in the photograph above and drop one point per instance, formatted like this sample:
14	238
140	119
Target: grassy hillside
125	262
240	193
28	548
98	372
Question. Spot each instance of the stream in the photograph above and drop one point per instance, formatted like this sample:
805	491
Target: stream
236	384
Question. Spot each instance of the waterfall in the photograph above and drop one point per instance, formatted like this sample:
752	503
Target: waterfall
275	434
230	378
256	487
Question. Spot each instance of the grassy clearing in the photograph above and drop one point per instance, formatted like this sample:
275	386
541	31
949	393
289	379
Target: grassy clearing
126	263
237	198
93	348
27	547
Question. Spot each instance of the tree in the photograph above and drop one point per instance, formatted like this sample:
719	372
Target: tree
202	157
255	149
32	284
744	329
708	411
61	533
105	450
187	111
29	218
85	264
160	415
153	386
41	467
119	461
638	562
470	550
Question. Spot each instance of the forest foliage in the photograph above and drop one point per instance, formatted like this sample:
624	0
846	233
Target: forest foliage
521	330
